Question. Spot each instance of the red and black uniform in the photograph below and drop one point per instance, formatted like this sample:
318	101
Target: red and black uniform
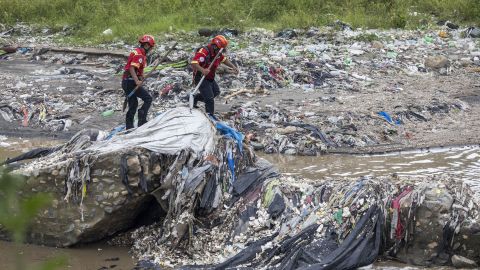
209	88
138	60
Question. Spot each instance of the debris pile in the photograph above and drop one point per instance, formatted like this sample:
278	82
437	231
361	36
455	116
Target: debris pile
292	85
272	221
224	208
101	186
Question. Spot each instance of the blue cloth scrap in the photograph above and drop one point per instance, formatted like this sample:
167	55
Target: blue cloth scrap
231	164
115	131
224	129
386	116
389	119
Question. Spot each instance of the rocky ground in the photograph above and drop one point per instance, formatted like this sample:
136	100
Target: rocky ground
332	89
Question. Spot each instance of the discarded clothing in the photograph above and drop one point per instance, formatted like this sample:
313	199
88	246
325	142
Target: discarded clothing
224	129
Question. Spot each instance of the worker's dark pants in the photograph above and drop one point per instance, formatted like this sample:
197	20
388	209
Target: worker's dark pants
128	85
208	91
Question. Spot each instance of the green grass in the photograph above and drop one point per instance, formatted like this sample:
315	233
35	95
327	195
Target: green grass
128	19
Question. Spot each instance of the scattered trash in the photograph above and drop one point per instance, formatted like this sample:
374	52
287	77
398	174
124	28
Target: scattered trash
107	32
108	113
473	32
333	65
443	34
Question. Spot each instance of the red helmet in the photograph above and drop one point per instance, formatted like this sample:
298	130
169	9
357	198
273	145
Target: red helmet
220	41
147	39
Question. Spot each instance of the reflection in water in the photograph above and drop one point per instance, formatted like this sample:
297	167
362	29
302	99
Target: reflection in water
11	147
462	161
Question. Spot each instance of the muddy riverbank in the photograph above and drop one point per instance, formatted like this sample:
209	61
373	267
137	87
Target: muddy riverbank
317	91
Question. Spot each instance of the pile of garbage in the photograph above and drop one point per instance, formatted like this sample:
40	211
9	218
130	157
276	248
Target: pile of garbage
102	185
68	89
224	208
269	221
295	132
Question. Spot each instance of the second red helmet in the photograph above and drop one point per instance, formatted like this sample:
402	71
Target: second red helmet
220	41
147	39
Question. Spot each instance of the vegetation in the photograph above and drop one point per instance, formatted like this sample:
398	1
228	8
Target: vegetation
128	18
16	214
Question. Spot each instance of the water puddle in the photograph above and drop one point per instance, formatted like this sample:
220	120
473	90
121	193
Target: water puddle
90	257
11	147
464	162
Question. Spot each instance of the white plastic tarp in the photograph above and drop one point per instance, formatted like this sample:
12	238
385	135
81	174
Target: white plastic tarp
169	133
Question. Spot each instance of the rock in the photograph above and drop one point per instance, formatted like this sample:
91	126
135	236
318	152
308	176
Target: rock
134	165
157	169
286	130
356	52
464	62
451	25
287	33
205	32
473	32
377	45
438	200
437	62
462	262
257	145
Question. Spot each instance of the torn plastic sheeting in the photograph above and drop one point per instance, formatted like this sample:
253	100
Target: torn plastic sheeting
316	132
277	206
81	138
243	219
209	193
244	256
253	176
224	129
115	131
35	153
360	248
169	133
195	177
304	251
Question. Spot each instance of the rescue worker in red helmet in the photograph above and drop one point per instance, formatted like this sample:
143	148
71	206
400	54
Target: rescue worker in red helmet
200	63
133	76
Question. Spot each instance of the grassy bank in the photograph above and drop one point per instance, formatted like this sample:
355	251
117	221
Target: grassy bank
128	18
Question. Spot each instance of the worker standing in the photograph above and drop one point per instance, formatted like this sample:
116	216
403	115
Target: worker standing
132	77
201	61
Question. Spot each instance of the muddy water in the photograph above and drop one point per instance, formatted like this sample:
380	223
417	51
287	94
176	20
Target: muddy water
462	161
11	147
91	257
